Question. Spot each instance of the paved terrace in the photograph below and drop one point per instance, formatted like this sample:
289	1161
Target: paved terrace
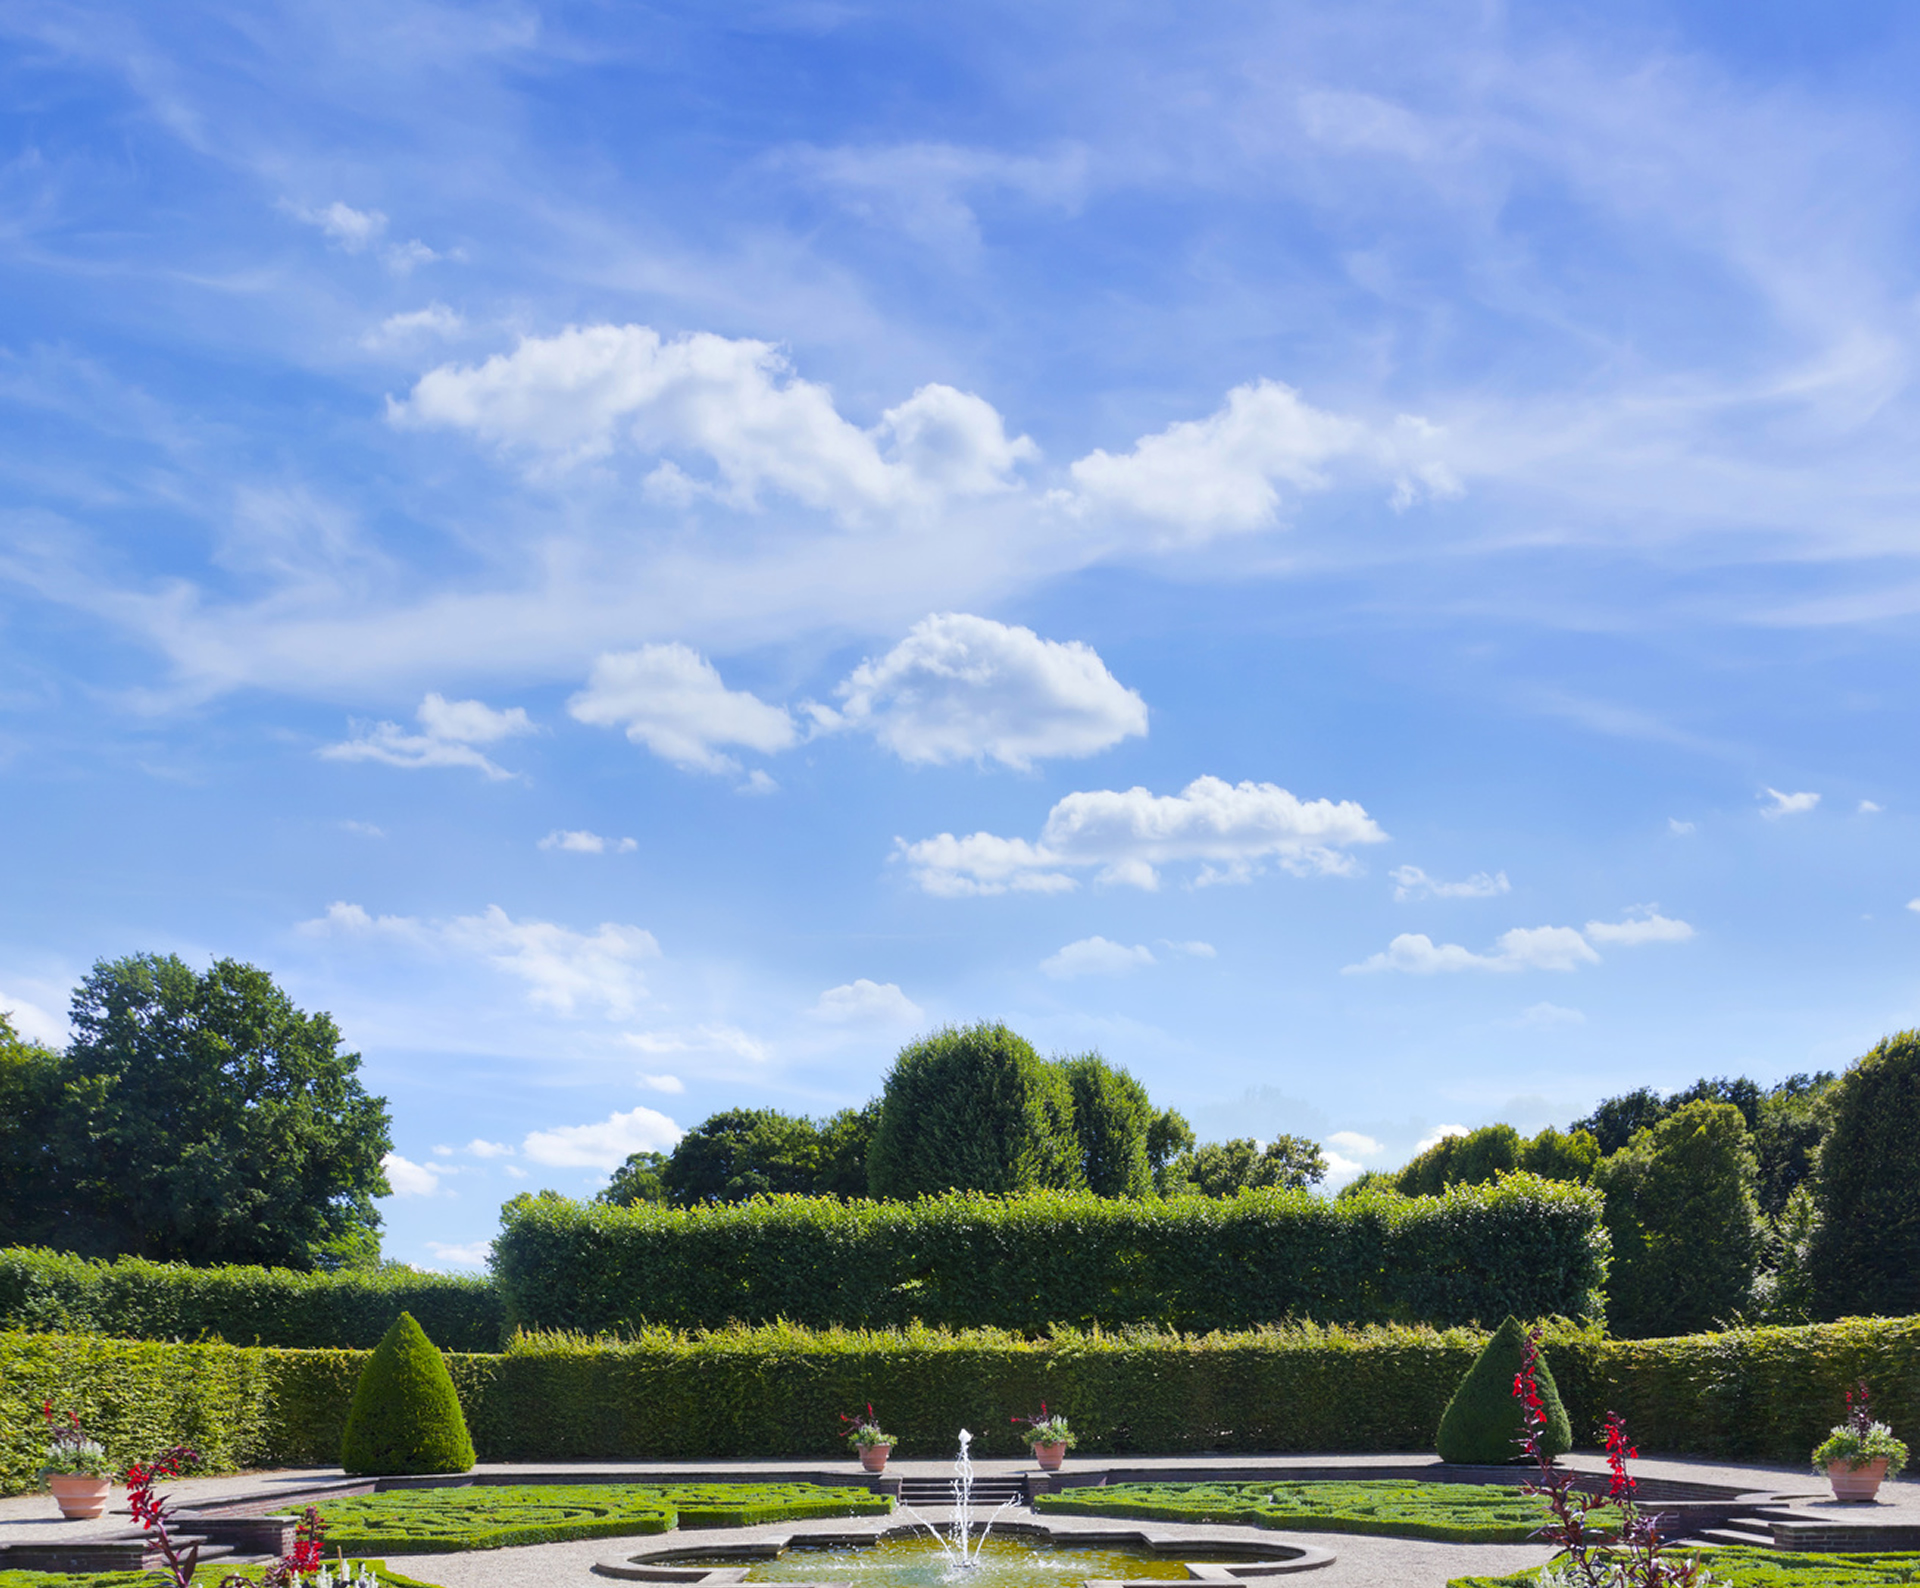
1361	1562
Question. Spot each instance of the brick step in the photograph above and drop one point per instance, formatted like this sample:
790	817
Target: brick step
1757	1534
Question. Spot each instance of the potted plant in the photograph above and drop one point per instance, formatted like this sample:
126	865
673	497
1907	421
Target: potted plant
77	1469
1859	1452
1048	1437
873	1442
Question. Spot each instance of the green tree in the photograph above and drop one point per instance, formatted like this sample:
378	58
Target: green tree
740	1153
1169	1136
973	1108
1685	1226
845	1140
1225	1168
1867	1188
204	1118
639	1179
33	1175
405	1416
1616	1121
1112	1119
1794	1118
1562	1155
1483	1423
1428	1173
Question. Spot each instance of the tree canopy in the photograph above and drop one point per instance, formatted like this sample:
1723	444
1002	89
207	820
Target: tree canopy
204	1118
1867	1187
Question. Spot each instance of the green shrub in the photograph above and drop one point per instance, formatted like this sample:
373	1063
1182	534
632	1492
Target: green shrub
1483	1422
1030	1262
973	1108
1464	1513
1740	1566
1867	1187
433	1521
134	1299
405	1416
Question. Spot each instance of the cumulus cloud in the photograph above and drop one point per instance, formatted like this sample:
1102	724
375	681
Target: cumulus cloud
1560	948
1643	925
363	829
353	230
1233	830
1914	905
33	1022
435	320
1546	1014
960	687
410	1179
1787	804
470	1254
1355	1145
605	1145
1868	808
1523	948
479	1148
733	405
449	731
663	1083
1096	956
1438	1135
1410	882
671	699
581	842
1678	828
1346	1152
1226	473
562	969
1192	950
863	1002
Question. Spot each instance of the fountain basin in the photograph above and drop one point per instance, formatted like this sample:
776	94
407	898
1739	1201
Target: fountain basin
1017	1555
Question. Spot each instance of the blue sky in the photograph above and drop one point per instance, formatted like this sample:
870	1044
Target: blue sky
1359	559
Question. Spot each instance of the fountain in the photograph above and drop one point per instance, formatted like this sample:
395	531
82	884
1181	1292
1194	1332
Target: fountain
958	1546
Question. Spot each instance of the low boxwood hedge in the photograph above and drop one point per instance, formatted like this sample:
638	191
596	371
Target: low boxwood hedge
1742	1566
1460	1513
495	1516
209	1576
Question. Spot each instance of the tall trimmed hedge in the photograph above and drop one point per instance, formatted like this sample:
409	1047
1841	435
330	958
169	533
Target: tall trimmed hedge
134	1299
1029	1262
1765	1394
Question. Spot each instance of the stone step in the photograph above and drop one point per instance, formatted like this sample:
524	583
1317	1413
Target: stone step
939	1491
1757	1534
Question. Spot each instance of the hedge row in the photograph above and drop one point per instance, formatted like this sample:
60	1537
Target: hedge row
1767	1394
1033	1262
134	1299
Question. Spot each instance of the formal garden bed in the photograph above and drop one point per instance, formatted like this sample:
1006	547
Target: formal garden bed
209	1576
1396	1508
437	1521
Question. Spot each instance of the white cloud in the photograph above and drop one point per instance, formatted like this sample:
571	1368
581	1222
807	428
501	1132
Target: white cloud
1523	948
1192	950
1436	1136
735	404
863	1002
671	699
663	1083
33	1022
471	1254
1678	828
410	1179
1868	808
919	188
450	730
1096	956
1410	882
1914	905
352	229
960	688
1644	925
700	1039
480	1148
1129	834
1546	1014
363	829
605	1145
436	319
515	1171
443	1152
402	257
757	783
562	968
1787	804
581	842
1223	474
1353	1144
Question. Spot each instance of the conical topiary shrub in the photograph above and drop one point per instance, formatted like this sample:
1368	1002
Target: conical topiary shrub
405	1416
1482	1422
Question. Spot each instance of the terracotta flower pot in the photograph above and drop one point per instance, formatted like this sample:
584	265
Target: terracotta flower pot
874	1457
1856	1483
1050	1456
82	1498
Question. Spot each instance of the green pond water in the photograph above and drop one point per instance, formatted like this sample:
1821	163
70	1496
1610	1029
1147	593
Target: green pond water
1009	1562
